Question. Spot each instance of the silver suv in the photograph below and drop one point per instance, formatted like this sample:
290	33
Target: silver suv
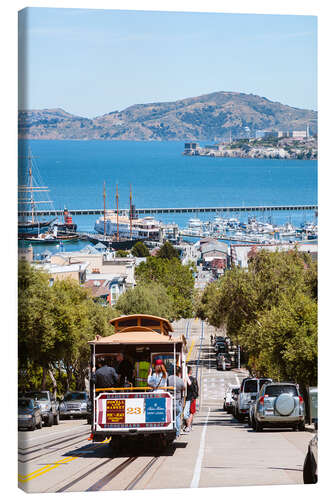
74	404
279	405
248	392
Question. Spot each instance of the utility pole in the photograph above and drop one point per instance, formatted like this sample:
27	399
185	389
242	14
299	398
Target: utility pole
238	356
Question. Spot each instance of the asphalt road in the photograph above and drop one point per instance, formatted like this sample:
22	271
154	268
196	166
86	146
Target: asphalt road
218	452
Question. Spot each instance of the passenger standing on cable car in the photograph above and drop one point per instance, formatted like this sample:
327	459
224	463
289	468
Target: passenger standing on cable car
141	371
124	369
178	383
105	376
158	379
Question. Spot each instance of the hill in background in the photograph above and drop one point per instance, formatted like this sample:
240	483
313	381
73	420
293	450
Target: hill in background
207	117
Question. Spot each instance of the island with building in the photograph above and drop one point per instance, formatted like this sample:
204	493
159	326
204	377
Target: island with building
278	144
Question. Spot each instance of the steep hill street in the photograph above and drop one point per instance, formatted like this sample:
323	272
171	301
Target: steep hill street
219	451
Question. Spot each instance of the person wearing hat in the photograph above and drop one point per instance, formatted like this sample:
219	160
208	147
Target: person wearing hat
158	379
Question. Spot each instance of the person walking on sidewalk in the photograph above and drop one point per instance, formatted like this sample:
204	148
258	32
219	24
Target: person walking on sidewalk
178	383
191	396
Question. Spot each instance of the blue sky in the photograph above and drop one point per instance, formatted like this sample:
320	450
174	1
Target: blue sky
91	62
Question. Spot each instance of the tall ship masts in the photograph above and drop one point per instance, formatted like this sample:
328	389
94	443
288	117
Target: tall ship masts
104	196
125	229
27	203
130	212
117	199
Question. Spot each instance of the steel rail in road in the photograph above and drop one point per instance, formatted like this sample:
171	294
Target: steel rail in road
52	448
142	473
176	210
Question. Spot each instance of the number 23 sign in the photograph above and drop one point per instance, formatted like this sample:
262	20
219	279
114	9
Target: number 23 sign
135	411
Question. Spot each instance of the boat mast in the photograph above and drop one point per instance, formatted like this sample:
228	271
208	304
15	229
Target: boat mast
31	189
104	210
130	212
117	198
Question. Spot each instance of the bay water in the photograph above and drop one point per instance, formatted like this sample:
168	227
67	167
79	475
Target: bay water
161	176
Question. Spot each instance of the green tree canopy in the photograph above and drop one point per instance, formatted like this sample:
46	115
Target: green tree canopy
140	250
270	309
54	326
177	279
168	251
145	298
122	253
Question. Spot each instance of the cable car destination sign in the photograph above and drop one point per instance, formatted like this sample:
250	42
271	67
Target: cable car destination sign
134	410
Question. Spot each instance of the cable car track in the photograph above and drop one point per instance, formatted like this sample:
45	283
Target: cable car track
52	448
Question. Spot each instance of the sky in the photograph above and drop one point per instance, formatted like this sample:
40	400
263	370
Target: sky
92	62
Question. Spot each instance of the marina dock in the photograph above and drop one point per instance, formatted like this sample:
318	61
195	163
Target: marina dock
179	210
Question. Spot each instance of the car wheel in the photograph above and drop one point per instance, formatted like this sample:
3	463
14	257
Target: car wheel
309	477
301	426
56	419
50	420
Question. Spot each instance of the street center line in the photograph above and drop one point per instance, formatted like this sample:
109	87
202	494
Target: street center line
197	470
190	351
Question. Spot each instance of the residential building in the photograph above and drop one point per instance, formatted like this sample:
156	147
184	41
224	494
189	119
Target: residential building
26	254
76	272
240	254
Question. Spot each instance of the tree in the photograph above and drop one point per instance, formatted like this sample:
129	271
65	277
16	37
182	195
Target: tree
271	310
121	253
36	329
168	251
54	325
146	299
177	279
77	319
282	344
140	250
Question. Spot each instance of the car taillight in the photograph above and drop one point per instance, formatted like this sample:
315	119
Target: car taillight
301	400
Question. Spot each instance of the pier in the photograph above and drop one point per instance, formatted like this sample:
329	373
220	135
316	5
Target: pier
177	210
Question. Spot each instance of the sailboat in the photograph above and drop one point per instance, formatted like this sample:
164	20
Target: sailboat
28	224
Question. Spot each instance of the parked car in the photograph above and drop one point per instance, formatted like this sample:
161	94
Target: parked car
234	396
219	339
310	467
279	405
29	414
248	392
48	405
74	404
228	397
